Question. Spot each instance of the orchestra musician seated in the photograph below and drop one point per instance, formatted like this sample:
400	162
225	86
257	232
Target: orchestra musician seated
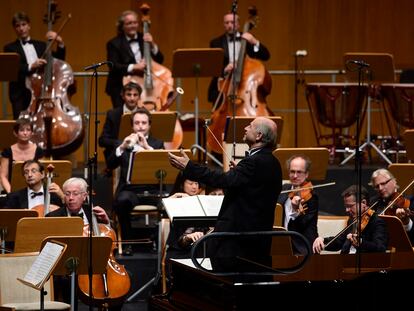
24	149
126	197
108	139
390	202
373	234
300	208
33	196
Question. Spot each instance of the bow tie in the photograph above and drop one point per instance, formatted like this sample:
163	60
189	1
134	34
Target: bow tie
80	214
27	41
35	194
231	38
133	40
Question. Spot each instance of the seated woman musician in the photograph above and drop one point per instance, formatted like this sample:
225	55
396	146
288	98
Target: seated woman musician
373	231
180	239
24	149
391	202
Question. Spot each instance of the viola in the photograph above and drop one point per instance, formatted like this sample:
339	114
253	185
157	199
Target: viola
156	83
397	201
110	288
243	92
57	125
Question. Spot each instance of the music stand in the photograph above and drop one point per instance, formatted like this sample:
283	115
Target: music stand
8	139
31	231
196	63
153	167
381	70
319	157
162	125
234	132
9	64
75	259
8	224
61	172
409	144
397	236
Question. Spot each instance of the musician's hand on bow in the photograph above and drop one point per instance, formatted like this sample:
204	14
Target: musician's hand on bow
232	164
403	214
38	63
318	245
229	68
192	237
101	214
179	162
353	238
139	67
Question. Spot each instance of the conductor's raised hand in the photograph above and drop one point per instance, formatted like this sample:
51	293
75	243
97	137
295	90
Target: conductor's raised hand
180	161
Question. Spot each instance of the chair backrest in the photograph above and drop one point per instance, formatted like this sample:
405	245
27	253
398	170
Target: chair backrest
13	266
281	245
278	220
331	225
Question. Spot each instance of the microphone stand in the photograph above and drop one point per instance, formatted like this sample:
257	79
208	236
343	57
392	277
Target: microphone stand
91	176
233	77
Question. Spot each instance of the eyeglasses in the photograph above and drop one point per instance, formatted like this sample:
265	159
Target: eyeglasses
33	171
382	184
292	172
75	194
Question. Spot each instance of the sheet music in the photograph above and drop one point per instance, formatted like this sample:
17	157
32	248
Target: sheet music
43	264
197	205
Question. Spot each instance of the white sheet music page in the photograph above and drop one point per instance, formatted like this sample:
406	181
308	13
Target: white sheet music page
43	264
182	207
211	204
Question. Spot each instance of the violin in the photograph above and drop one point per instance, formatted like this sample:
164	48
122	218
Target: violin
110	288
305	193
397	201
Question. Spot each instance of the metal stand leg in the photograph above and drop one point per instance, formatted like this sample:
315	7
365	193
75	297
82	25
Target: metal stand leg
368	141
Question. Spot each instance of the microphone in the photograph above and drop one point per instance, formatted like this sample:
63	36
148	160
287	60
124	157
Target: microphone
94	66
358	62
301	53
234	7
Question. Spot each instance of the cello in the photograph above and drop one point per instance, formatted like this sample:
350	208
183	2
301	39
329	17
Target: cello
110	288
50	101
242	93
156	83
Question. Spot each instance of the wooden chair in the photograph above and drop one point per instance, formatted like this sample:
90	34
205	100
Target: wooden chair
17	296
281	245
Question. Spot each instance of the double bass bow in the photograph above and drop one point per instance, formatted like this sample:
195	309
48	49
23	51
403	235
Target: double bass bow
50	100
243	92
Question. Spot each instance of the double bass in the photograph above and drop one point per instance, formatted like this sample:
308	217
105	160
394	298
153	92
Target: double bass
156	83
57	125
242	93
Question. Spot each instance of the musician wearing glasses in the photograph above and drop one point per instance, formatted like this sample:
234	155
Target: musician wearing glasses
75	191
373	231
300	207
390	202
34	194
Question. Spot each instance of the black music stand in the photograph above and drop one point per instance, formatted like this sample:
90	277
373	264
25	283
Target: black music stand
162	125
8	224
381	70
76	257
153	167
196	63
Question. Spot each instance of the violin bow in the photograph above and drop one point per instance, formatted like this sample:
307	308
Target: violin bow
397	197
350	225
311	187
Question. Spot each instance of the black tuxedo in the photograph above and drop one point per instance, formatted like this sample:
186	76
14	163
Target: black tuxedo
221	42
120	54
110	132
19	95
251	192
126	195
374	238
305	224
19	199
